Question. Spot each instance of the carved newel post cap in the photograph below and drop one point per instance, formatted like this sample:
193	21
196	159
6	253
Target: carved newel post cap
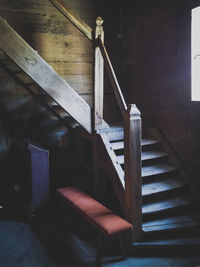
99	21
132	110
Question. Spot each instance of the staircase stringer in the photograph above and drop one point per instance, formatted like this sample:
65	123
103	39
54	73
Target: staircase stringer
31	92
15	47
114	170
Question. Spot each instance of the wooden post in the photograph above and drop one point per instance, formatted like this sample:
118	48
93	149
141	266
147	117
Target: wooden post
133	182
98	78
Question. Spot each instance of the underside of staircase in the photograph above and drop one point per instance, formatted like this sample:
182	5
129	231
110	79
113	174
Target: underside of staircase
50	116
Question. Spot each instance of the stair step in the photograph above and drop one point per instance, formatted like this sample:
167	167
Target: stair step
120	159
61	112
164	205
165	224
117	145
3	56
146	155
116	127
58	132
149	155
185	241
157	169
145	142
48	100
150	141
115	135
162	186
169	247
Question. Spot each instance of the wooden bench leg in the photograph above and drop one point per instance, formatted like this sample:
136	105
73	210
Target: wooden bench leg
122	246
99	251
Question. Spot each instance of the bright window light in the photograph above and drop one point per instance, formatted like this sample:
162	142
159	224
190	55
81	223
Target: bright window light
195	54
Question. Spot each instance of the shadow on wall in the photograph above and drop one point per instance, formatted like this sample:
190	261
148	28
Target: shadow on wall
13	158
5	177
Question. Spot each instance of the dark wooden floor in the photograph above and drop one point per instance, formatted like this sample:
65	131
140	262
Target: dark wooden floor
19	246
60	239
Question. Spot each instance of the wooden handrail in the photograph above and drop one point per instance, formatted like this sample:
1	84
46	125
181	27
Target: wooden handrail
78	22
112	76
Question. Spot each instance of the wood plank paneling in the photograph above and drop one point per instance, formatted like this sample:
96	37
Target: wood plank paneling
71	68
157	71
76	20
43	74
59	42
58	47
68	52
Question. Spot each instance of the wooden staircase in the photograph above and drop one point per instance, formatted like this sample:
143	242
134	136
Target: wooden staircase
170	210
50	116
43	75
140	170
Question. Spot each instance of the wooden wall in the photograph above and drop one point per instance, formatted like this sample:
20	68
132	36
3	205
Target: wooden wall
69	52
55	38
157	72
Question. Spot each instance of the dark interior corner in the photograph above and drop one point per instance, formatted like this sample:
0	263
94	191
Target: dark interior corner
66	122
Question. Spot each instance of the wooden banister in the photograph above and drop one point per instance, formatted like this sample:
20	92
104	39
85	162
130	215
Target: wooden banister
112	76
133	182
78	22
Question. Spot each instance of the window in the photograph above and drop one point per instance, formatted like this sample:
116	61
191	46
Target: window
195	54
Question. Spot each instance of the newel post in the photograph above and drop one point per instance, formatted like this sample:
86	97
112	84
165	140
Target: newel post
98	78
133	182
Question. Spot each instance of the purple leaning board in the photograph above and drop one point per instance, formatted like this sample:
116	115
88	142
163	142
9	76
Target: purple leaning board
40	176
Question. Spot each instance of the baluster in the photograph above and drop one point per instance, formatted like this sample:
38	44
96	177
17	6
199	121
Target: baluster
98	78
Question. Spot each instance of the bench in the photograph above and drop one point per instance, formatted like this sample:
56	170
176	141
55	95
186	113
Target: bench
103	219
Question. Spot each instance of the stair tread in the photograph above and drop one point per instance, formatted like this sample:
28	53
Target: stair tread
48	100
61	112
177	222
116	127
146	155
166	204
3	56
157	169
120	159
185	241
162	186
149	141
58	131
120	144
117	145
114	135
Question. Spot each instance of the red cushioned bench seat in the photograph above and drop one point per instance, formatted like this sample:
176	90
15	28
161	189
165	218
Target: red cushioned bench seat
101	217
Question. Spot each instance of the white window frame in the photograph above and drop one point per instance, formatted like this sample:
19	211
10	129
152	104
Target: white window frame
195	54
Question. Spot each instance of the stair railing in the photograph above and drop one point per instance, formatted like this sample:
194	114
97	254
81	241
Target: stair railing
131	117
132	149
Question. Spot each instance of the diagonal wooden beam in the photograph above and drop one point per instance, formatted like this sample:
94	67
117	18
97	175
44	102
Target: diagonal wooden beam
78	22
44	75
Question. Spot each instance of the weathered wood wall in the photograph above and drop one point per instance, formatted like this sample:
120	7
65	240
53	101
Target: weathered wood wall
55	38
157	73
70	53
